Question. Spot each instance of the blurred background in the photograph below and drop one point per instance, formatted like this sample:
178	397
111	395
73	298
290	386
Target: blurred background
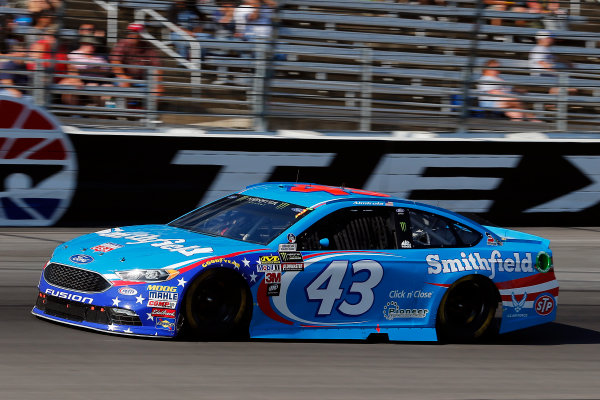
351	65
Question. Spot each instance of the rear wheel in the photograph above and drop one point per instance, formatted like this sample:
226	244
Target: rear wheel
218	305
467	310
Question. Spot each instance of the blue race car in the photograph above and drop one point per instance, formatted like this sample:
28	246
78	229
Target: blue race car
304	261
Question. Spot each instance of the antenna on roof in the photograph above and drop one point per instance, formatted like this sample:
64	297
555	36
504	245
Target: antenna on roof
297	175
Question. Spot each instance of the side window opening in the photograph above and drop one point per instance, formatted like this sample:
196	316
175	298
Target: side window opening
352	229
429	230
468	236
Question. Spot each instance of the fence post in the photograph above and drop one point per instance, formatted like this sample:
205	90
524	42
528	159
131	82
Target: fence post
151	94
562	101
468	73
112	22
365	88
38	83
258	87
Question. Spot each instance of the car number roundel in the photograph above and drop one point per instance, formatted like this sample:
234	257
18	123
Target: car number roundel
339	291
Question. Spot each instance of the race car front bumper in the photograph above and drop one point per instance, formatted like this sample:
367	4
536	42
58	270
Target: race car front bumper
101	318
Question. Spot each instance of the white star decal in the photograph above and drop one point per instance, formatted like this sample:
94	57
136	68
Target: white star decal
258	262
246	262
253	276
128	330
150	317
181	282
140	299
116	301
112	327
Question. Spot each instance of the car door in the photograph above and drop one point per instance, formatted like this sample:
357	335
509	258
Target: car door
352	268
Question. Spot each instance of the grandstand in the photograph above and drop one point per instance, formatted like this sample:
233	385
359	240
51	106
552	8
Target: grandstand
361	65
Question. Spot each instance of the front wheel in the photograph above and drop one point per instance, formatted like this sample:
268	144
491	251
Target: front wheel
218	305
467	310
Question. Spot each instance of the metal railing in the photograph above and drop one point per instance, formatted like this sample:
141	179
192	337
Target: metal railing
287	81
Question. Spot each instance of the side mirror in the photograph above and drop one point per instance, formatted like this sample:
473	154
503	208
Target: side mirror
324	242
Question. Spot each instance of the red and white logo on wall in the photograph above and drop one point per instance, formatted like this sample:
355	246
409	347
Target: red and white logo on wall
38	169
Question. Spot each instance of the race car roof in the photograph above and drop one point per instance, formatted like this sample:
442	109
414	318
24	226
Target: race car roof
310	195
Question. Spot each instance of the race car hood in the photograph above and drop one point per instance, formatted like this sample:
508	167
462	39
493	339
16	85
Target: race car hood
508	235
144	247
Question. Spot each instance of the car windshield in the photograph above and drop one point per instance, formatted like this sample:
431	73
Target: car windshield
240	217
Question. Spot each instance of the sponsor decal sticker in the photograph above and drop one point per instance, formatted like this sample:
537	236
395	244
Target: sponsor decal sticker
162	303
269	260
163	312
81	259
273	289
544	304
162	288
491	241
292	267
173	245
474	261
406	244
291	257
392	311
415	294
517	306
272	277
106	247
165	323
127	291
170	296
291	237
268	267
69	296
287	247
221	261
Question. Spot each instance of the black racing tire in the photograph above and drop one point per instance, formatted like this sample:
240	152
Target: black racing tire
218	306
467	312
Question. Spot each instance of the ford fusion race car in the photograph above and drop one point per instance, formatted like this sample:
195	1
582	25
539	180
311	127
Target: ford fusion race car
303	261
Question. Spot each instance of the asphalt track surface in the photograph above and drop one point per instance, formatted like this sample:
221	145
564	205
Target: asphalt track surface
42	360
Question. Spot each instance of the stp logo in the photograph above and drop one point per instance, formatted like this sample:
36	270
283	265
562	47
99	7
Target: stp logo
544	305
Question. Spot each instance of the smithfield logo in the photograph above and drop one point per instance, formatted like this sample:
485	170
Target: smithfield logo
81	259
544	305
127	291
474	261
392	311
173	245
518	305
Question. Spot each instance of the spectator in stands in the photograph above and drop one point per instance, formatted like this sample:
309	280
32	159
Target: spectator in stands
44	49
223	20
253	19
259	20
554	17
92	66
36	6
10	72
502	5
240	17
543	62
42	22
186	16
499	96
134	51
541	59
